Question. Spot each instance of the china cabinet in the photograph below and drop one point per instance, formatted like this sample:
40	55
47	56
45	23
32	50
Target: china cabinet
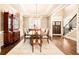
11	30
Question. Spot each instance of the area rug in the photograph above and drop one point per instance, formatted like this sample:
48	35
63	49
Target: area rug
24	48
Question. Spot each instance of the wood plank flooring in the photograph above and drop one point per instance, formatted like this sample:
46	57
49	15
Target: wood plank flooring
67	46
6	49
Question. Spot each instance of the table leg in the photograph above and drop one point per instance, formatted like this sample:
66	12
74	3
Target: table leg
32	48
40	48
48	40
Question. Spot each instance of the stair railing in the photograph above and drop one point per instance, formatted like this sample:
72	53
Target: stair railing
70	25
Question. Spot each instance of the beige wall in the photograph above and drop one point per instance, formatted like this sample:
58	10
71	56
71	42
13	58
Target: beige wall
26	22
43	21
11	10
78	39
21	25
6	8
50	26
78	31
20	17
1	38
58	16
0	21
69	12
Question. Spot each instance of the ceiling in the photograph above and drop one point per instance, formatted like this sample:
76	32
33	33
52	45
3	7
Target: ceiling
35	10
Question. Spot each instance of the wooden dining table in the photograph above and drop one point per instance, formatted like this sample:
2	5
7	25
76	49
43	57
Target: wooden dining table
36	38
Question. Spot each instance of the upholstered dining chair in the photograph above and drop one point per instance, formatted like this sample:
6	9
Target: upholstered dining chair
46	35
26	35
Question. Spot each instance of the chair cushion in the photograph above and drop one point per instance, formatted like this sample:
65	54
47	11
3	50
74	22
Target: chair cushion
45	37
27	36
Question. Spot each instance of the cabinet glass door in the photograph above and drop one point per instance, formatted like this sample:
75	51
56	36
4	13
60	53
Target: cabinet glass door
9	23
15	24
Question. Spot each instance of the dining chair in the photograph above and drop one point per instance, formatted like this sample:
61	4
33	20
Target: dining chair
26	35
46	35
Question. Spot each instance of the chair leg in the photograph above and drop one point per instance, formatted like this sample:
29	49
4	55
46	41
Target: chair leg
32	48
40	47
50	38
24	39
47	40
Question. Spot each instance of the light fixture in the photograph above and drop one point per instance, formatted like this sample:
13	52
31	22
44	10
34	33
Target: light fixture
36	10
35	16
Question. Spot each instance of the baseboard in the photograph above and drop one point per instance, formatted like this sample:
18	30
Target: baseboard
71	38
21	37
77	49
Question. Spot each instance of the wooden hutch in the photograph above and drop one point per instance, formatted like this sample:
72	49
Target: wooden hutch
11	28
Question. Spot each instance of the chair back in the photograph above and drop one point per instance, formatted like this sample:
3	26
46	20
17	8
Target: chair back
48	33
24	31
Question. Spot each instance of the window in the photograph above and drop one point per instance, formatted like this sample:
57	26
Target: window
34	22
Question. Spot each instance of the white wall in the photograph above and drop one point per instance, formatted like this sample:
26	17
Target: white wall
69	12
58	16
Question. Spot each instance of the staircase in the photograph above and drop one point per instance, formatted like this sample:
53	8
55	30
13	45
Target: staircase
72	34
70	30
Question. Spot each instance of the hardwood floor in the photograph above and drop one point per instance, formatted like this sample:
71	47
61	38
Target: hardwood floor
6	49
67	46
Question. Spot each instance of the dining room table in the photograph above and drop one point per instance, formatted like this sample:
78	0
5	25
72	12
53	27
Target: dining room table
35	38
